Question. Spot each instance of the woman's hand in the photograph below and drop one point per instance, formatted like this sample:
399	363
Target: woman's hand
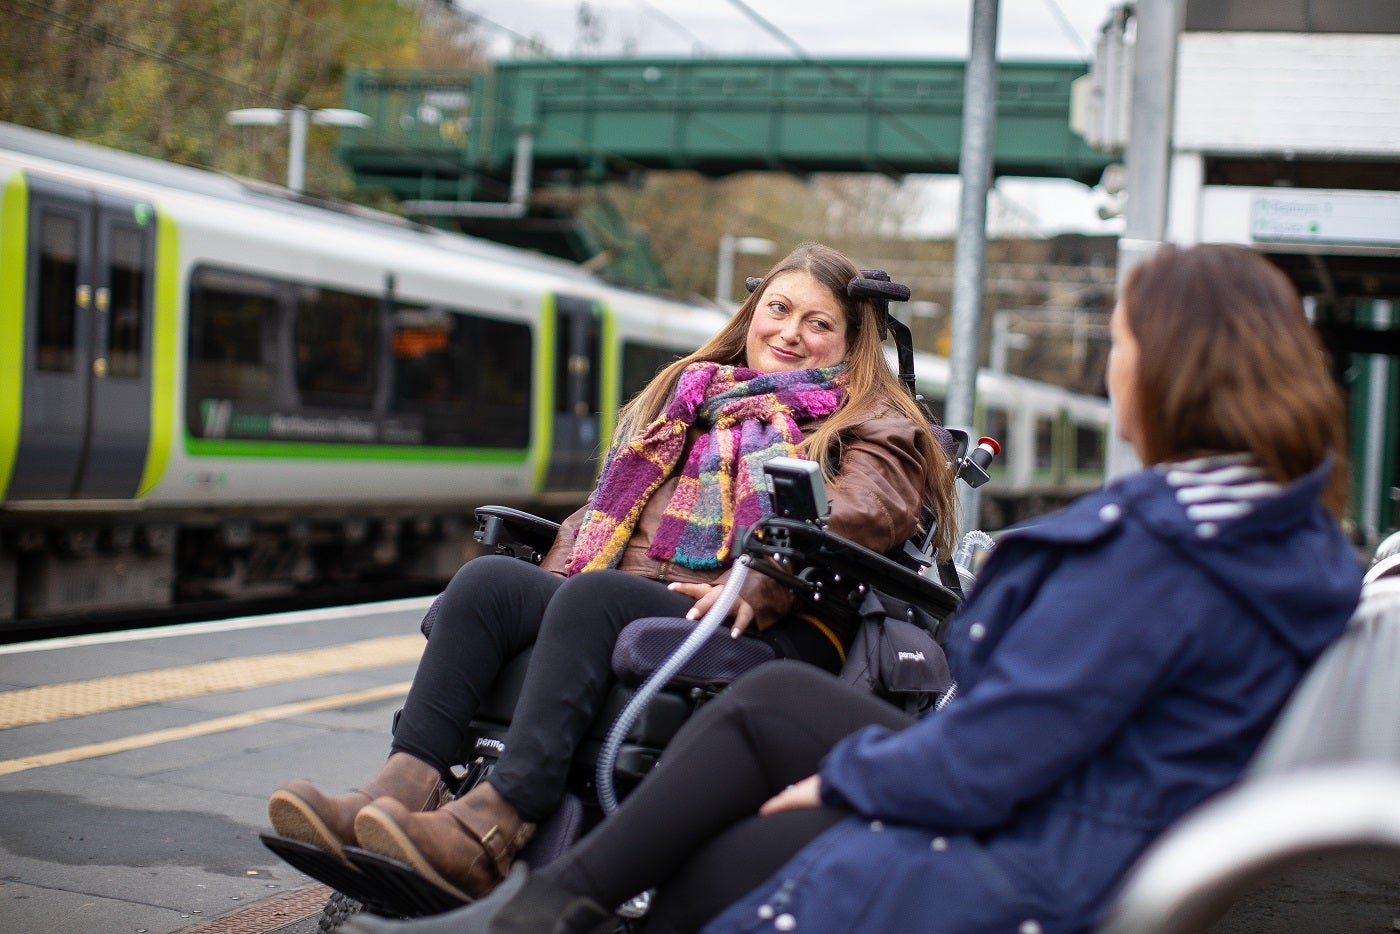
705	596
805	794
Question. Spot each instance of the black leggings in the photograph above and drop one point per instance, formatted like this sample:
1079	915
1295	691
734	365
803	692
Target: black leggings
496	607
691	828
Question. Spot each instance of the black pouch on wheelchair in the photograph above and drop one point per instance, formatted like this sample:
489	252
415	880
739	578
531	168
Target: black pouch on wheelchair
894	655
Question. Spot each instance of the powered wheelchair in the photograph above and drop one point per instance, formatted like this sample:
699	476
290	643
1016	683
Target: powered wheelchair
666	668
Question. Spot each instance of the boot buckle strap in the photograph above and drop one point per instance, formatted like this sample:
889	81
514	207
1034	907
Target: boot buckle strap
495	842
503	846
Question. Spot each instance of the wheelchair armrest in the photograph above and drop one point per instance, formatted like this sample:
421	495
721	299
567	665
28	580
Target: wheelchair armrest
806	544
513	532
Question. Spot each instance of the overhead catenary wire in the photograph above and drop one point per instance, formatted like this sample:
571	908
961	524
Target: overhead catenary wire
1068	29
679	28
804	56
913	134
617	158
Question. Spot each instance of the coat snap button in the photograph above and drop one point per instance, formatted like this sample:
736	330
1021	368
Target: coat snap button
877	826
977	632
1029	926
1110	512
1207	530
939	844
785	922
765	912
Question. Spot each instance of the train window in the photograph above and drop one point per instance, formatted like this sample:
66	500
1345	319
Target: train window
997	425
232	341
640	362
1089	448
425	373
127	275
336	346
57	287
499	381
459	380
1044	444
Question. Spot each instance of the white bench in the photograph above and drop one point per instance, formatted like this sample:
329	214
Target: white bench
1325	784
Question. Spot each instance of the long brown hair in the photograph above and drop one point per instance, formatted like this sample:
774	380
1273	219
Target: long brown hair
870	384
1227	362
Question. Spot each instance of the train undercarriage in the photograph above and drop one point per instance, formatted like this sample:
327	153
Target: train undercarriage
62	564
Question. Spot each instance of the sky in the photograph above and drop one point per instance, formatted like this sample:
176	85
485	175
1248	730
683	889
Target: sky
1027	29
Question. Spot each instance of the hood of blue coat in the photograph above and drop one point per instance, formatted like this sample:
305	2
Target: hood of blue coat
1255	556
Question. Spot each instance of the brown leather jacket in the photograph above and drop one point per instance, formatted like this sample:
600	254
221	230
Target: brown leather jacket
874	501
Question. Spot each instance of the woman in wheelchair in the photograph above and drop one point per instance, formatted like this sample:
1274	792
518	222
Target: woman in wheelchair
798	371
1118	663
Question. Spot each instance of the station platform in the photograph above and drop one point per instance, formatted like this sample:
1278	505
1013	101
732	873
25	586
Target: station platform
135	767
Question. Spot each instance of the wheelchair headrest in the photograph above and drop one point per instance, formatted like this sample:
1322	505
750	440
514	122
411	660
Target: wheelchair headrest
875	285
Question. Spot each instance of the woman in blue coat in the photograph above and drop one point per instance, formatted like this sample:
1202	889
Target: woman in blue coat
1118	662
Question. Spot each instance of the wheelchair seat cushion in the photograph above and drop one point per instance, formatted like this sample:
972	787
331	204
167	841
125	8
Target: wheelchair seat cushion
645	644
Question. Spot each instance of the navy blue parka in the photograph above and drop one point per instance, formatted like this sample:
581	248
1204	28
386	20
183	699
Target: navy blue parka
1118	663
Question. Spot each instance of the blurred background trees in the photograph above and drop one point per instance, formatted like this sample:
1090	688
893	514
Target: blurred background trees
157	77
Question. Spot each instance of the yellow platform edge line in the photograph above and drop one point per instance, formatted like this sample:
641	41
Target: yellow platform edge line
203	728
48	703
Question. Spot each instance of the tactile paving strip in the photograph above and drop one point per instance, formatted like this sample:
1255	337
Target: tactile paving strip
99	695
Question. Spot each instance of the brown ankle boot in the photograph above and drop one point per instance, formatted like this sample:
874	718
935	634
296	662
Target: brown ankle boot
466	846
299	811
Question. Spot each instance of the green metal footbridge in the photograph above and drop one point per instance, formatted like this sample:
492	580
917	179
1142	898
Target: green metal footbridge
472	148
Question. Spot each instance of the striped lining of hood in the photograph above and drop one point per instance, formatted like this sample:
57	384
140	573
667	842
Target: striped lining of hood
1219	488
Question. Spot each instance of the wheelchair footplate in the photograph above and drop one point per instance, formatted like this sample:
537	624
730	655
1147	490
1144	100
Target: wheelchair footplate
399	890
343	877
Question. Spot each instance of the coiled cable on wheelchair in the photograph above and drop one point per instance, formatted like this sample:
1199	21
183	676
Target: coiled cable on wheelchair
607	758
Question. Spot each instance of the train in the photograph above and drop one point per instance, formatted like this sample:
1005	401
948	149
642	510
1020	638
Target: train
214	389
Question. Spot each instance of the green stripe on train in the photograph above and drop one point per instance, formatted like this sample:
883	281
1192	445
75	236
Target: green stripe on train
164	347
311	450
608	400
544	392
14	222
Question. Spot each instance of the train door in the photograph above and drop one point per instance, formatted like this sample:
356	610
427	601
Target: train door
577	394
86	412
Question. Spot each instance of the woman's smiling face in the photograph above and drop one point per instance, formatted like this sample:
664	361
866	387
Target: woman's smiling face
798	324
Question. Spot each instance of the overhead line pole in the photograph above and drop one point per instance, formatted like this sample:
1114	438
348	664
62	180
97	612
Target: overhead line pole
970	248
1147	158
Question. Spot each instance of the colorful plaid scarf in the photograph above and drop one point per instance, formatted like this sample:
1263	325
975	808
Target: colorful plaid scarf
752	417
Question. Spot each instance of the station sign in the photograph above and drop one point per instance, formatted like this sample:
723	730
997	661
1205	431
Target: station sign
1326	217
